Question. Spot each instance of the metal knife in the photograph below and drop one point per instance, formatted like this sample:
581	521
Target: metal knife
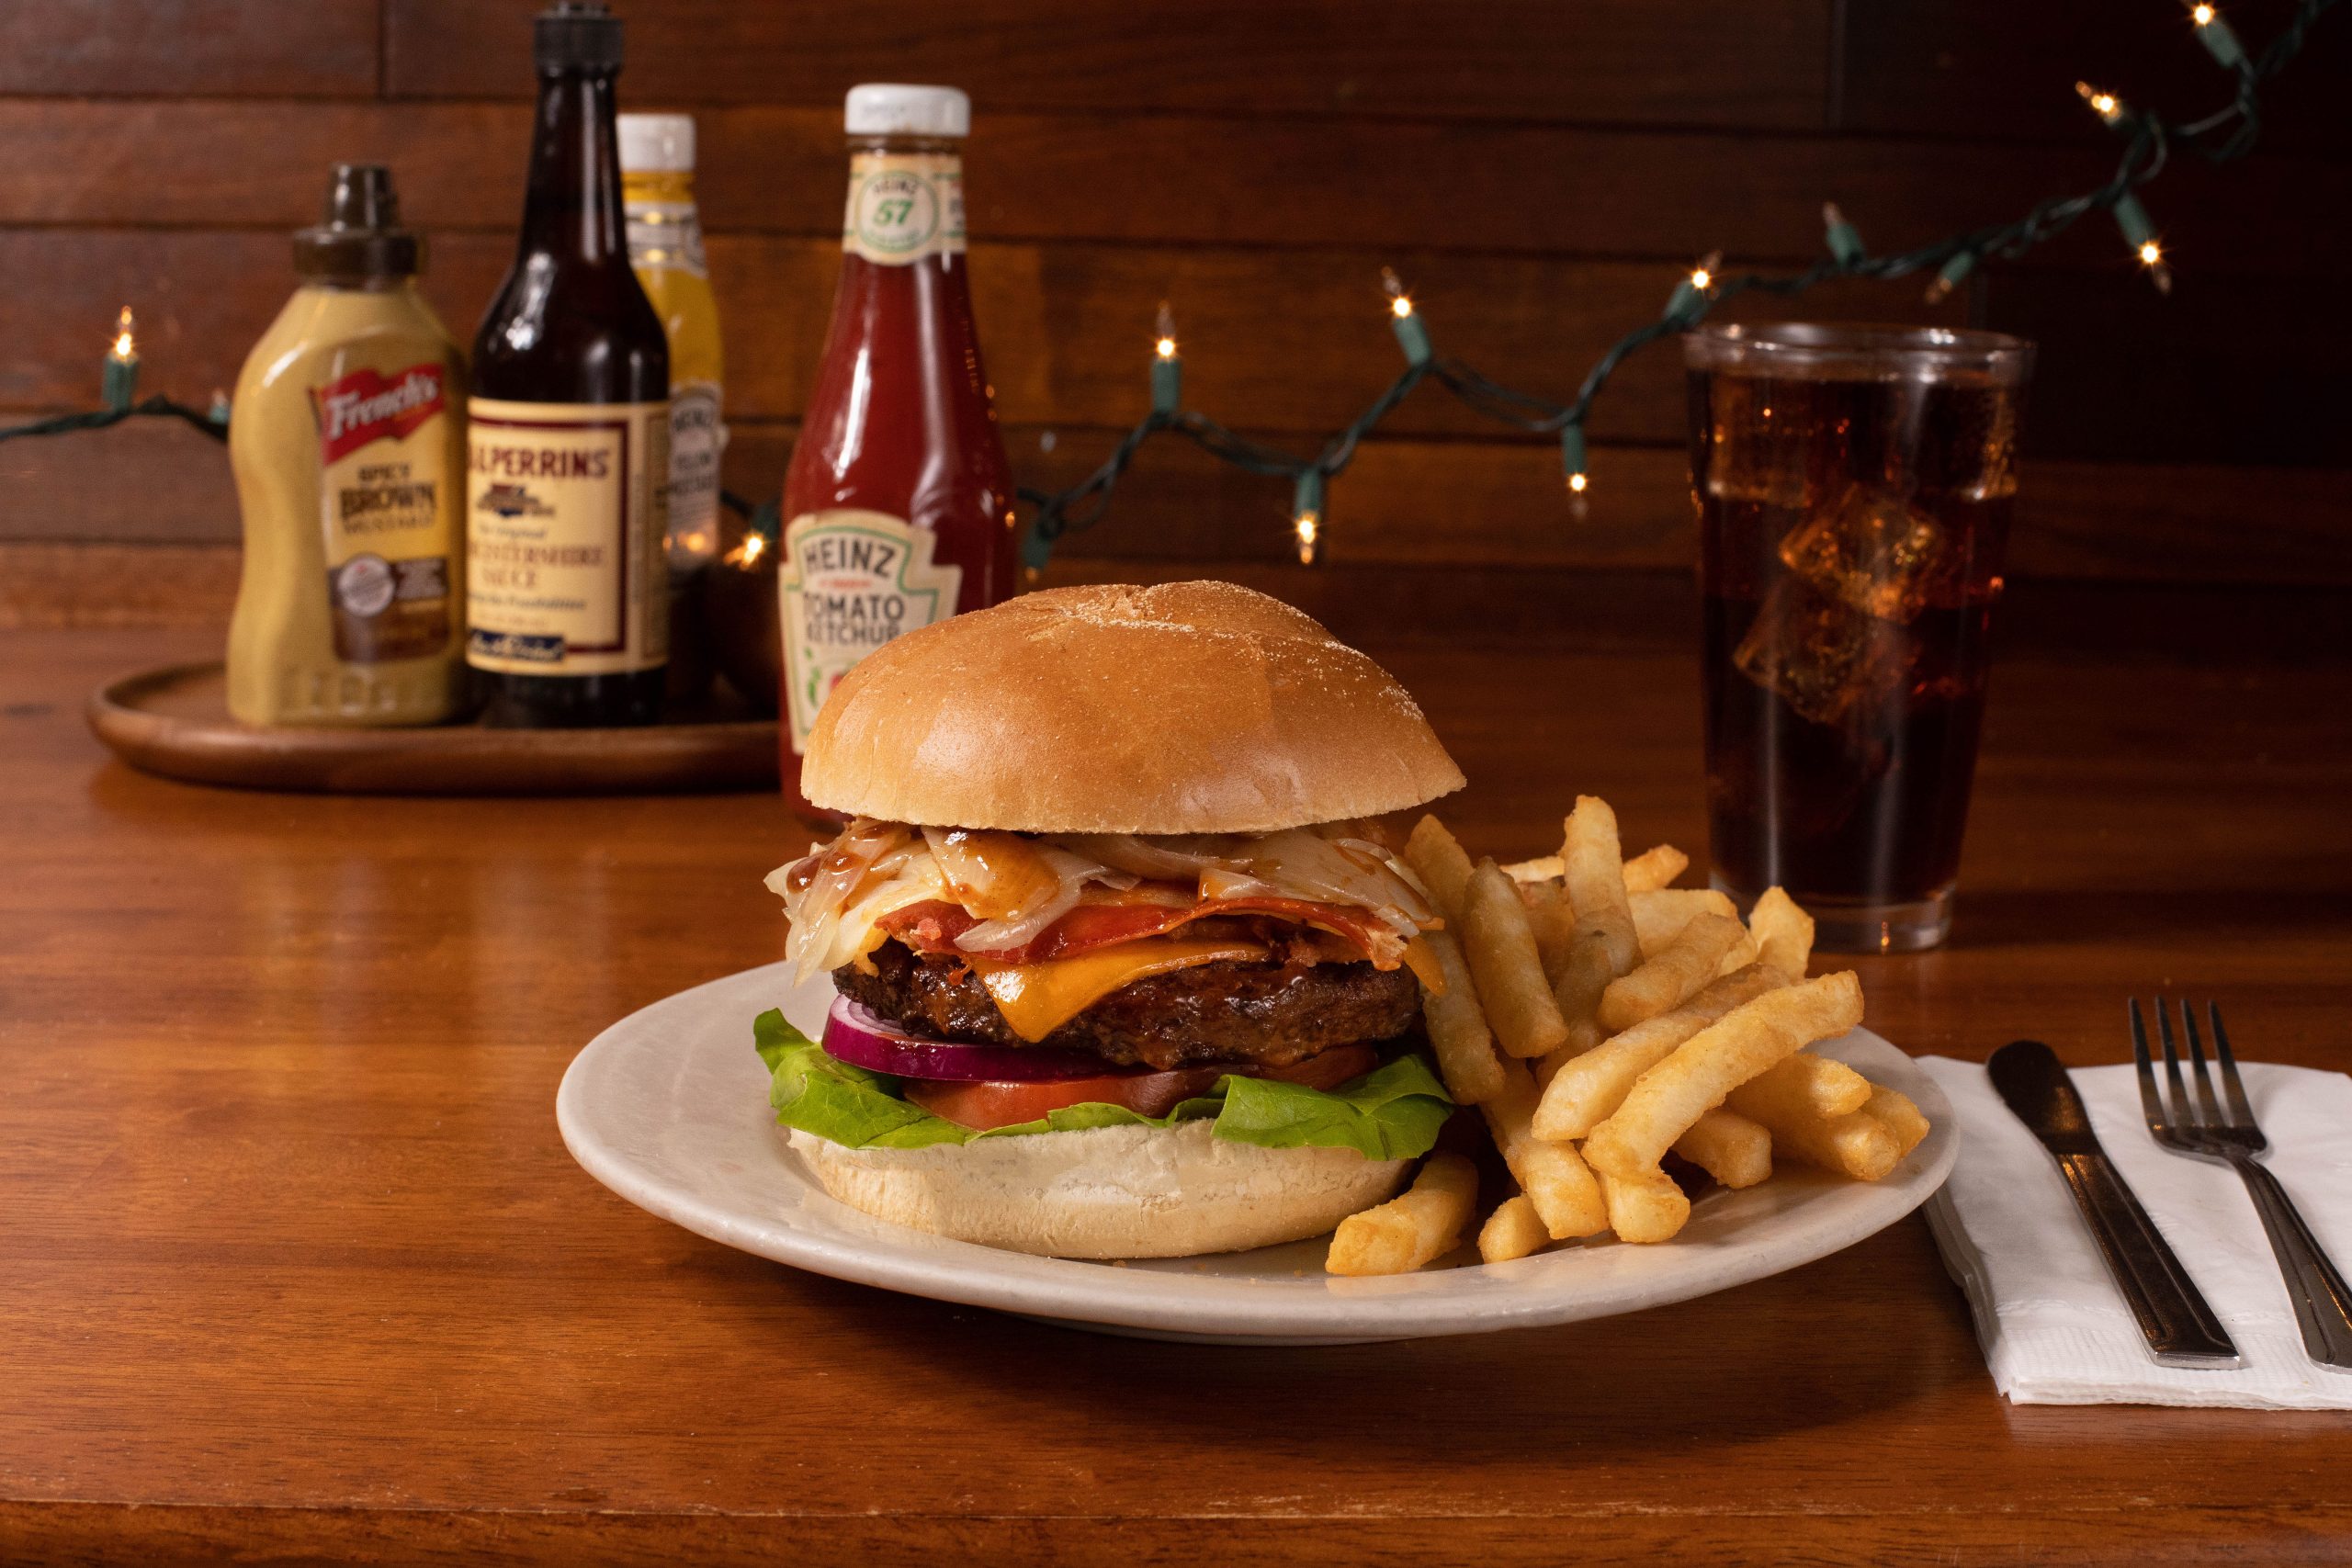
2181	1329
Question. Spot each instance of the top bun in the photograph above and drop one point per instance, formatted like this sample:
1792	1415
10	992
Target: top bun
1191	707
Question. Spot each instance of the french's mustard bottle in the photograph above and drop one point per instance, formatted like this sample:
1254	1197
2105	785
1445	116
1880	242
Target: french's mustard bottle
348	442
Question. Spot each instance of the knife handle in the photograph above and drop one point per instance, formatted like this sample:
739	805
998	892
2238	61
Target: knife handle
2180	1329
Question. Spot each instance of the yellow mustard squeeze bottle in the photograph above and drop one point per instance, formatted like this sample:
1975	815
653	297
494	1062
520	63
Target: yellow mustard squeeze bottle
665	251
349	446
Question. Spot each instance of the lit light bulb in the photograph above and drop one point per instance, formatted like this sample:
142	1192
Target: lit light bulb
1165	345
1411	335
2202	15
1166	369
2151	253
1701	280
1578	484
124	348
1165	348
2106	105
1308	527
1402	306
748	553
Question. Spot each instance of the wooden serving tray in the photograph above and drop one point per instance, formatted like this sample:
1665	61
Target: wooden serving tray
174	721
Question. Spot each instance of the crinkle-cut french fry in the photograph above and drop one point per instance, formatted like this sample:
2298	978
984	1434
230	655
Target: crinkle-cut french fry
1554	924
1644	1208
1542	868
1459	1037
1584	1089
1858	1144
1513	1230
1593	871
1703	1069
1673	976
1807	1082
1784	932
1653	868
1441	863
1552	1175
1422	1224
1729	1147
1500	945
1899	1114
1660	914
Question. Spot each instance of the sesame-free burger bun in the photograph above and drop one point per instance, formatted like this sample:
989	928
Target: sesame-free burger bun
1131	1191
1190	707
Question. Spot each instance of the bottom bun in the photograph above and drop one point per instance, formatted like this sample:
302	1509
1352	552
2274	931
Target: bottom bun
1107	1192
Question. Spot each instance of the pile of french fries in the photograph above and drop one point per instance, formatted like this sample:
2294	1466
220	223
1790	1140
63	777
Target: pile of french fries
1599	1018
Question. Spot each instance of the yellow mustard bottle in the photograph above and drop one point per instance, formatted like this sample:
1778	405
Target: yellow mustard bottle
665	251
348	442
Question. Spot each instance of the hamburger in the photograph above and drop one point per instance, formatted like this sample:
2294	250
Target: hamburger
1126	964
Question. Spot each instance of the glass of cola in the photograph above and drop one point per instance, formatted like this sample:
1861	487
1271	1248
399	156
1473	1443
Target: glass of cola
1854	486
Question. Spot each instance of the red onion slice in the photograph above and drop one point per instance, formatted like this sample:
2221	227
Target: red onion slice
856	1035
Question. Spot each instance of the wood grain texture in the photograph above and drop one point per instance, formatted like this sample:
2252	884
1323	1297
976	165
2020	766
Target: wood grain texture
1677	62
210	47
1225	179
298	1265
1404	501
1966	68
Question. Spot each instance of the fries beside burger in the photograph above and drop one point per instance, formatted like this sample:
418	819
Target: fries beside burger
1128	966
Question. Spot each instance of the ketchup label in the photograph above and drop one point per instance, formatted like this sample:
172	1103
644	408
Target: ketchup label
566	564
388	516
850	580
365	406
904	206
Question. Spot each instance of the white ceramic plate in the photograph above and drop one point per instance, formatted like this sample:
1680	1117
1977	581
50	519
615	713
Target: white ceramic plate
669	1109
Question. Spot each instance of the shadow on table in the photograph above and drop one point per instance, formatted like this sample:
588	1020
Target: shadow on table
1869	1329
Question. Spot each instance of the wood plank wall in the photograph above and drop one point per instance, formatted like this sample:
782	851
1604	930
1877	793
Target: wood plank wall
1538	170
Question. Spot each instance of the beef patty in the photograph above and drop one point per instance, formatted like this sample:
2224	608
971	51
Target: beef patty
1226	1011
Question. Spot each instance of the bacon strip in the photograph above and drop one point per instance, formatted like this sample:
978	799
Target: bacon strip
933	925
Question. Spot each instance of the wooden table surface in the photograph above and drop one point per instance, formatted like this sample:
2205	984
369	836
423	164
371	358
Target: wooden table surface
293	1263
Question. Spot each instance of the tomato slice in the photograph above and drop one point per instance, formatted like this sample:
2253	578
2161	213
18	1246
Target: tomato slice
981	1106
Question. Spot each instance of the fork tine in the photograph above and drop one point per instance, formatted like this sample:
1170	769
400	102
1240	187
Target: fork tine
2184	1110
2151	1105
2241	1112
2207	1104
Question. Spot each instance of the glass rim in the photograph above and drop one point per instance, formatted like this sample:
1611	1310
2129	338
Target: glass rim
1843	349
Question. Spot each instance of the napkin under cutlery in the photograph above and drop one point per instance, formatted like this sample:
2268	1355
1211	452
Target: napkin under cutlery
2053	1329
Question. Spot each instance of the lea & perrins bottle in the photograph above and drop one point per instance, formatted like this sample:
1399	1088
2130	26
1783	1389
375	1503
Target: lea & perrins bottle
349	450
898	501
567	429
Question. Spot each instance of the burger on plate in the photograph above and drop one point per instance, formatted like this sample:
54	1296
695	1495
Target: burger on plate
1126	965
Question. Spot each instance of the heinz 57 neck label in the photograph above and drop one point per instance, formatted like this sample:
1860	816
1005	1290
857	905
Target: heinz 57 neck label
904	206
850	580
566	571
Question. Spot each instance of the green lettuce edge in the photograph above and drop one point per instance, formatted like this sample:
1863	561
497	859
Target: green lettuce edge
1390	1112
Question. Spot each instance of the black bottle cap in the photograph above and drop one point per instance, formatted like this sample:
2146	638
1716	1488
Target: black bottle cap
577	35
359	236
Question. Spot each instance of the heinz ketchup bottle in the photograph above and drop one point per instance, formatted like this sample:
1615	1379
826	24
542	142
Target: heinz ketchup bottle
898	501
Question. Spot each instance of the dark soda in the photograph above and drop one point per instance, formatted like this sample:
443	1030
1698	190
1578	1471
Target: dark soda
1853	518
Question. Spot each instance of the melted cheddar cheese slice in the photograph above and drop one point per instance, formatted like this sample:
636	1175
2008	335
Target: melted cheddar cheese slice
1037	998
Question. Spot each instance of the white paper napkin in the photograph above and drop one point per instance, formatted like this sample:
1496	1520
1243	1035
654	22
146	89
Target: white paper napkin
2054	1330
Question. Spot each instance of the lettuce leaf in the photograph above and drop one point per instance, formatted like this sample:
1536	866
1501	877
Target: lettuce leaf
1392	1112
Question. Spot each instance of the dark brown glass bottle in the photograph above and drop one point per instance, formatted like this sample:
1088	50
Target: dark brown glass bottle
567	433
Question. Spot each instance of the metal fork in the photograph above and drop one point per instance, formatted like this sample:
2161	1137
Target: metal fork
2203	1128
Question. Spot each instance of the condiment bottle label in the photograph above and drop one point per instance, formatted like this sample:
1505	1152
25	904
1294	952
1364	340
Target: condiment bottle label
904	206
850	580
665	234
695	439
387	511
566	570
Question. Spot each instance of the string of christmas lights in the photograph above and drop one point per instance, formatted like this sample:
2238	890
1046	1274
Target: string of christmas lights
2225	135
118	393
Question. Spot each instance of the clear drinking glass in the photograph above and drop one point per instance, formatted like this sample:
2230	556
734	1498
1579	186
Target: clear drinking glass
1854	486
